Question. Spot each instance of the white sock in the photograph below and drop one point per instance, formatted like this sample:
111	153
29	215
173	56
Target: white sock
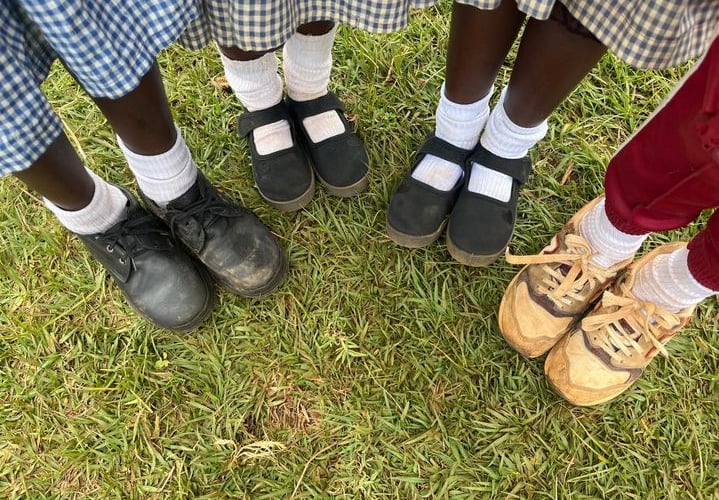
460	125
166	176
667	282
308	64
610	245
106	209
258	86
506	139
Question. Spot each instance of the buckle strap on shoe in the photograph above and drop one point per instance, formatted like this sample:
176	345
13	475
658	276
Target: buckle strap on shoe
305	109
518	169
251	120
440	148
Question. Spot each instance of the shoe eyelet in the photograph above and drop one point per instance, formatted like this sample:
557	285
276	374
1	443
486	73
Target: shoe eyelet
109	249
123	260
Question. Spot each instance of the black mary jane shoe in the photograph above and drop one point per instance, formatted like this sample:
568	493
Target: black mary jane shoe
236	247
284	178
481	227
341	161
158	279
417	211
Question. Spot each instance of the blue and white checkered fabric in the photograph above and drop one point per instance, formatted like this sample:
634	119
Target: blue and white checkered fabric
652	34
267	24
108	45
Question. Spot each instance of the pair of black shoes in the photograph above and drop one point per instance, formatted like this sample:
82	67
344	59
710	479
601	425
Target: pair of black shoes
160	278
479	228
286	178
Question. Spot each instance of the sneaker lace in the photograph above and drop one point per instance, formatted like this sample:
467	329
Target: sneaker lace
566	275
627	321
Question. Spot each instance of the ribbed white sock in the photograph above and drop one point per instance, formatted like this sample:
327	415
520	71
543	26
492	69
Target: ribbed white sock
308	65
106	209
505	139
460	125
667	282
166	176
258	86
610	245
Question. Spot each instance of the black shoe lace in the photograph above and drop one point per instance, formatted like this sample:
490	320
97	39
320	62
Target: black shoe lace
129	235
205	209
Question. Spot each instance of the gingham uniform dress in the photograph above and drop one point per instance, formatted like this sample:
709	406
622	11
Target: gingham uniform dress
107	44
652	34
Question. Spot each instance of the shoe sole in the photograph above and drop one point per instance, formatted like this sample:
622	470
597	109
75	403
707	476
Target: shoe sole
272	285
410	240
471	259
293	205
345	191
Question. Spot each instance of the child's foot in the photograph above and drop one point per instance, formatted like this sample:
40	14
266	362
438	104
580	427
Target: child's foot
604	355
417	211
236	247
339	158
481	225
482	222
159	280
554	289
283	177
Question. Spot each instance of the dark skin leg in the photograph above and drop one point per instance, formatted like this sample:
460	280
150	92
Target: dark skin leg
550	63
60	176
315	29
551	60
478	44
142	118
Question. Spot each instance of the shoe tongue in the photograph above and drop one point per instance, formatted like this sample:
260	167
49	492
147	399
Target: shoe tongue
191	196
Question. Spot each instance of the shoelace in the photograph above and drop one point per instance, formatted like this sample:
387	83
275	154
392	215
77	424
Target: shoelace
206	208
128	235
570	287
627	321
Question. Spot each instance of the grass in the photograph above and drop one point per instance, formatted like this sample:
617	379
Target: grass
375	371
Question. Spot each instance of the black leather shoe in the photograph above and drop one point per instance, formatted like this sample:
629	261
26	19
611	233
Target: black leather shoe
284	178
417	211
236	247
481	227
340	161
159	280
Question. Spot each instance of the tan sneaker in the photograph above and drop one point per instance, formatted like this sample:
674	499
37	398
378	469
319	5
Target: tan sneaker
603	356
553	291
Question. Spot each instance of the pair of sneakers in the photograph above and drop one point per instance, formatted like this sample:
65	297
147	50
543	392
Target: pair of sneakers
479	228
285	178
165	260
600	337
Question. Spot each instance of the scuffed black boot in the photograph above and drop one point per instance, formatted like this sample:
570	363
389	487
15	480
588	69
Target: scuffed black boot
236	247
159	280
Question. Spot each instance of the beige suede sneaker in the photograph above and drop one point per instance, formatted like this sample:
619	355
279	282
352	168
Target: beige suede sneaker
608	352
553	291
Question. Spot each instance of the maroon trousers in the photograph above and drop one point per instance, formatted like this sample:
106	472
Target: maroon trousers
668	172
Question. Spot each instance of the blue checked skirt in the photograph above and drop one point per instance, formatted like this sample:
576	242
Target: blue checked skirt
654	34
108	45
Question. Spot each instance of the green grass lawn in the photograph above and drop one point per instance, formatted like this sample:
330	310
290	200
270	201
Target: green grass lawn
375	371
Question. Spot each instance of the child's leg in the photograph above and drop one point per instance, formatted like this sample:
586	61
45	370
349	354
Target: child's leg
551	61
83	202
240	252
478	44
69	187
